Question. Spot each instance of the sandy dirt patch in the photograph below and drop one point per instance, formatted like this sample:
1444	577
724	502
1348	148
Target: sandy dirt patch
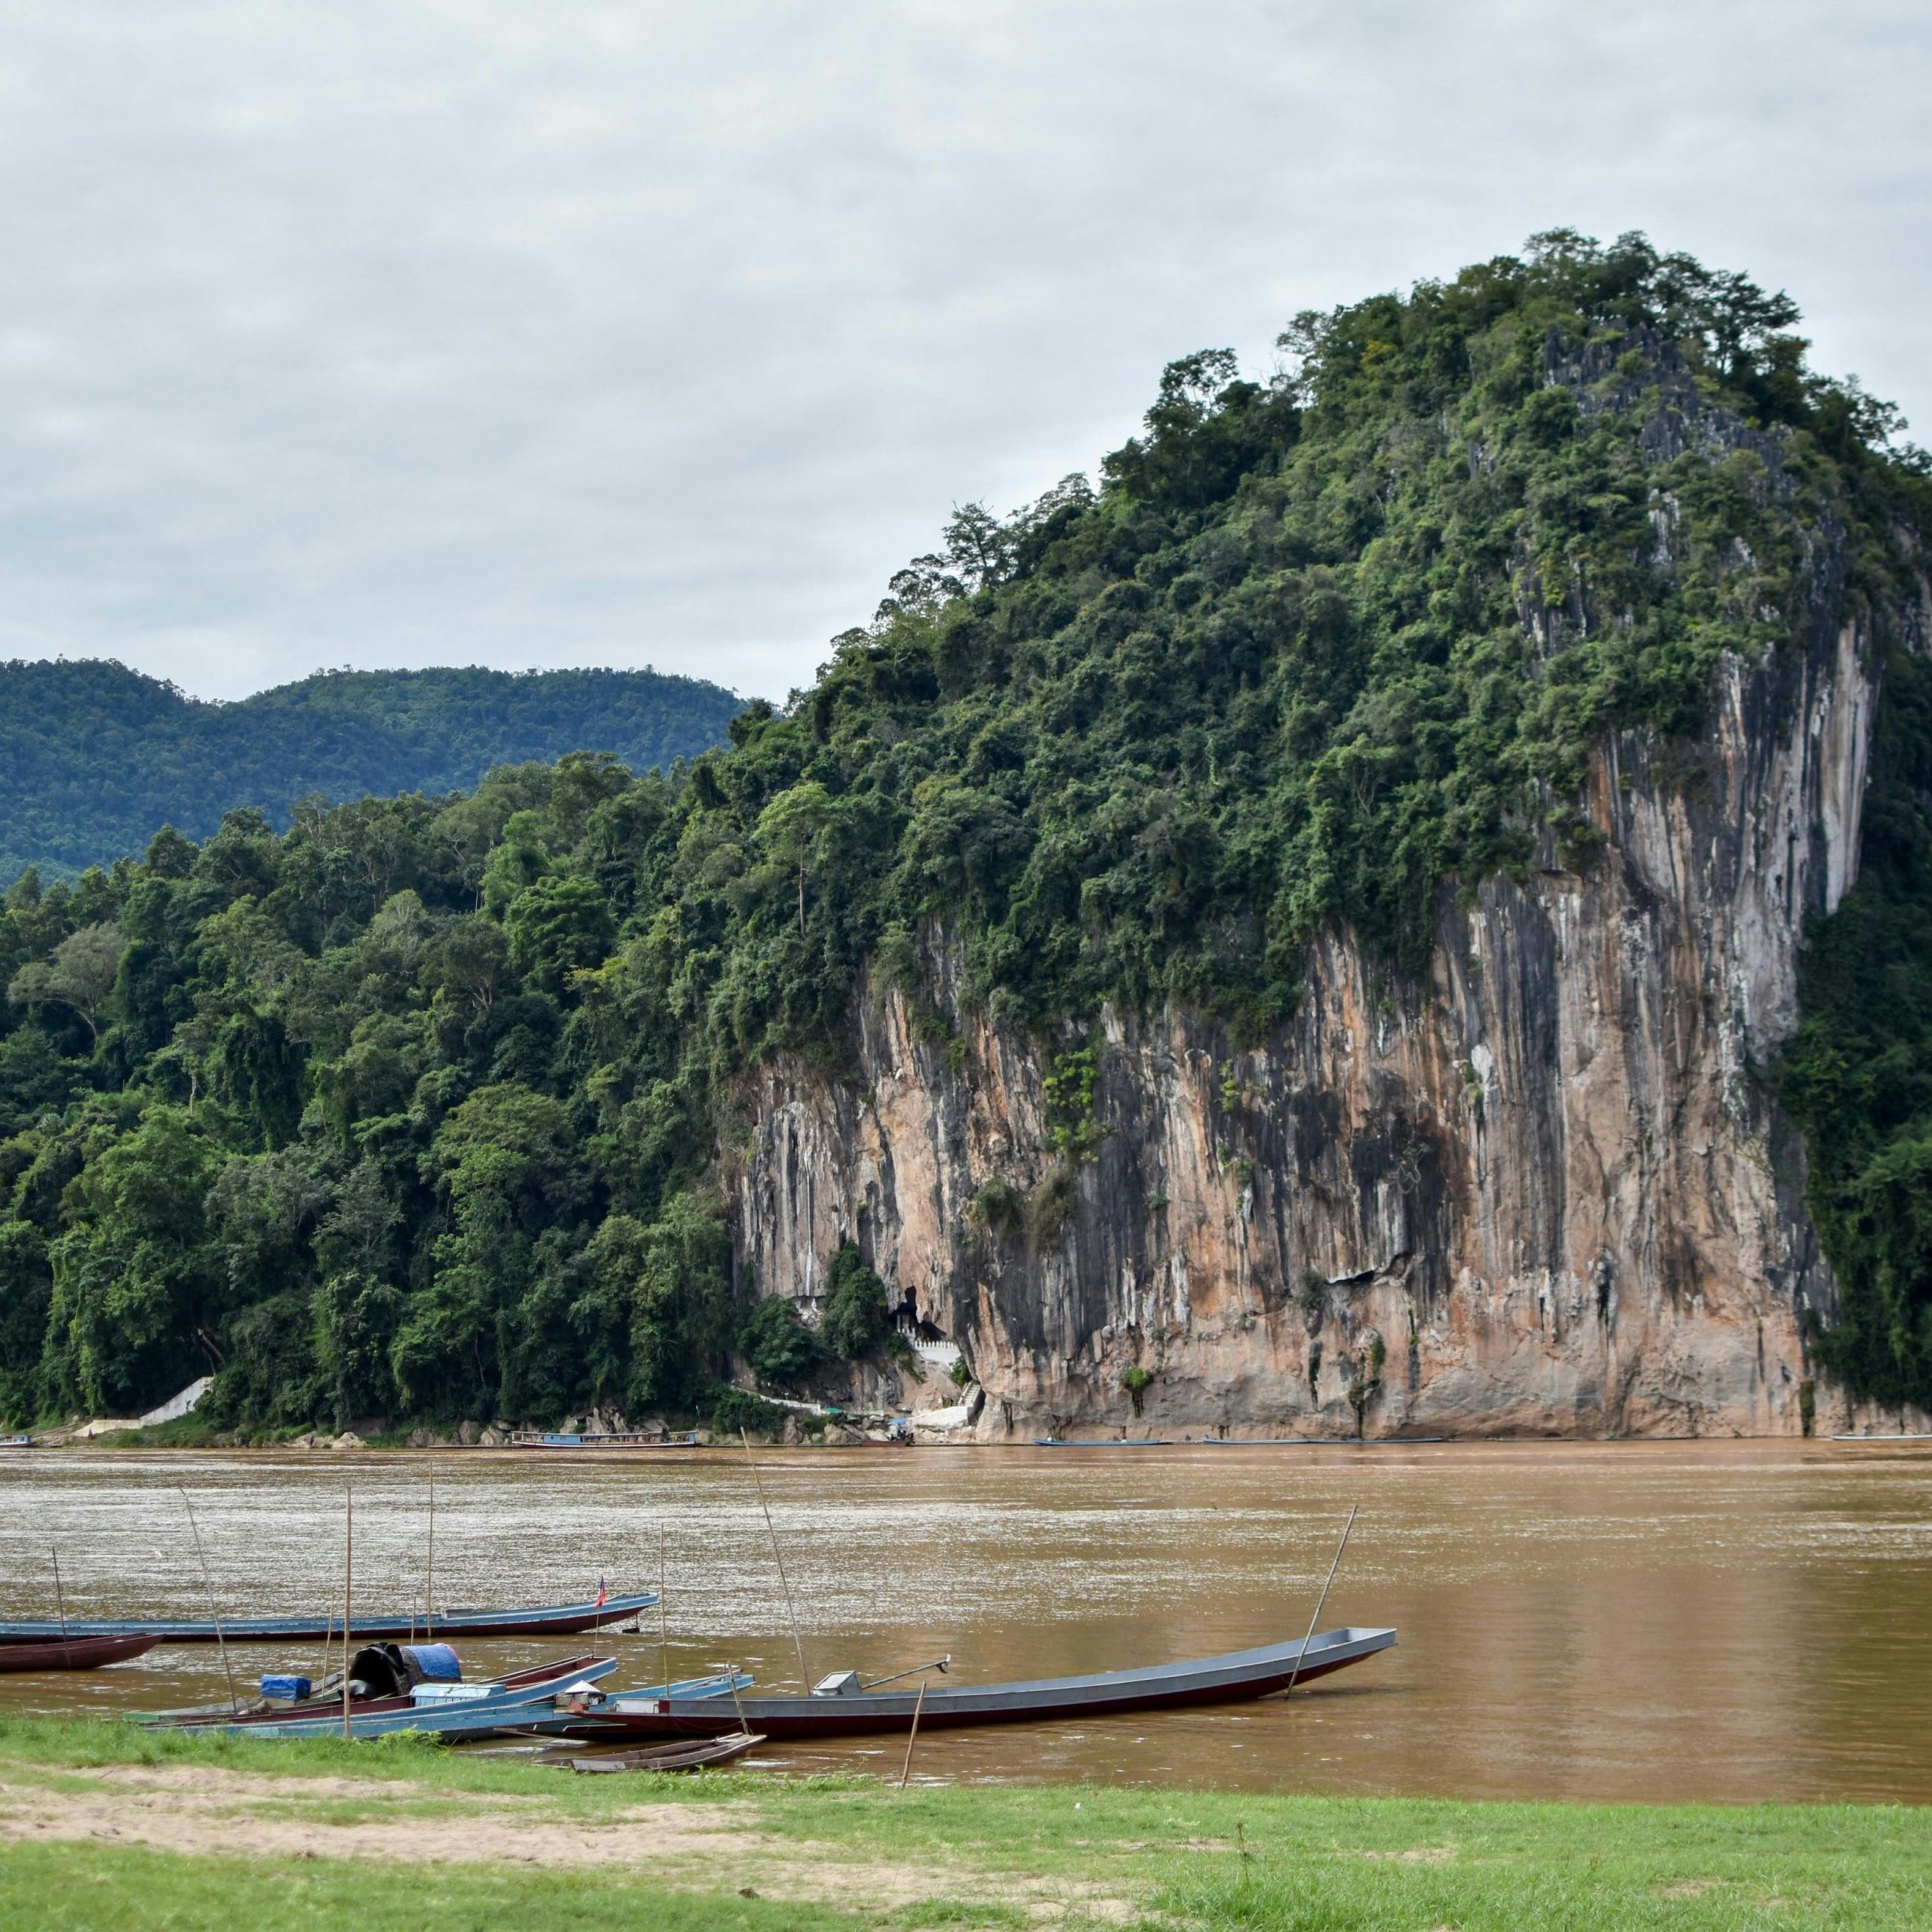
200	1810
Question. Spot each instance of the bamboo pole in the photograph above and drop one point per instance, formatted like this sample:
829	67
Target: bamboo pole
798	1642
214	1616
348	1582
59	1600
1323	1598
905	1769
429	1582
663	1620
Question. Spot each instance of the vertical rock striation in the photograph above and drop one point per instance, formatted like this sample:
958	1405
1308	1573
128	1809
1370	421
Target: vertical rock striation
1551	1193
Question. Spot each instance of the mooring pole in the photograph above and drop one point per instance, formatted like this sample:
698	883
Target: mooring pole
798	1642
348	1579
1323	1598
905	1769
214	1616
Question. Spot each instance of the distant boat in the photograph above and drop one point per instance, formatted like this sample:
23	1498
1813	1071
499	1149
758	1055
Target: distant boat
531	1439
842	1707
394	1626
72	1653
1315	1442
16	1441
1102	1442
1900	1436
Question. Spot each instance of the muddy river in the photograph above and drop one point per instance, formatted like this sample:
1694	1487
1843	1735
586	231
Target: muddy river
1726	1621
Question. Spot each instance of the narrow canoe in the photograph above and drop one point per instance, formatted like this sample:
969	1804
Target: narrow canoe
1102	1442
693	1756
1232	1679
536	1442
74	1653
369	1626
1315	1442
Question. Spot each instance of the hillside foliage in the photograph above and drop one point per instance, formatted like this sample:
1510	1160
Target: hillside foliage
95	757
413	1109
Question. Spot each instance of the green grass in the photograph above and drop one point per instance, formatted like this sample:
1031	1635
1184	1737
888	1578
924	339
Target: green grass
864	1854
93	1888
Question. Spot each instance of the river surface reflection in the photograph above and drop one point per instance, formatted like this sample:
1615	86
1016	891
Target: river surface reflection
1730	1621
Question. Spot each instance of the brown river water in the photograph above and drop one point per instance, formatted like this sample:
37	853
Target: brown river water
1726	1621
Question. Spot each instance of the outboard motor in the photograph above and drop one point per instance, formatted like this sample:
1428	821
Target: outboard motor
377	1670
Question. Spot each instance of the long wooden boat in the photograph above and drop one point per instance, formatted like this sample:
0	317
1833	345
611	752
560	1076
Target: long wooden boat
828	1712
480	1710
1102	1442
441	1710
692	1755
534	1439
72	1652
563	1619
541	1680
1315	1442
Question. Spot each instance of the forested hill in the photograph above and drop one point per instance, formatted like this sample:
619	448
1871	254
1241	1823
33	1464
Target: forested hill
417	1108
95	758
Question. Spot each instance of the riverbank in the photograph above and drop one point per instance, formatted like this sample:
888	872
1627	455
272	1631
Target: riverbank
105	1827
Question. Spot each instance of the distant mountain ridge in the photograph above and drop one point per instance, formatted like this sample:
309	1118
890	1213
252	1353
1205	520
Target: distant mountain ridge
95	758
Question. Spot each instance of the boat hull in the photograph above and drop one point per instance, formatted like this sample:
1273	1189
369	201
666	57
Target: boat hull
385	1626
1235	1677
74	1653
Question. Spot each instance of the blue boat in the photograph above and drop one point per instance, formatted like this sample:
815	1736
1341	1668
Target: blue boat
468	1710
562	1619
449	1708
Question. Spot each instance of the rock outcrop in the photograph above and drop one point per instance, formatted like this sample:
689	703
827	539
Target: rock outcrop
1550	1191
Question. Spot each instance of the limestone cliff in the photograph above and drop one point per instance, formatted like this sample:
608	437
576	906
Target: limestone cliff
1550	1191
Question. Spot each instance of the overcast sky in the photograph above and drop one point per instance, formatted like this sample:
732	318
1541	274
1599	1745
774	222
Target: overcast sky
549	332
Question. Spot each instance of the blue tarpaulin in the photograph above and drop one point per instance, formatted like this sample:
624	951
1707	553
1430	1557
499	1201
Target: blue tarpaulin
294	1688
433	1663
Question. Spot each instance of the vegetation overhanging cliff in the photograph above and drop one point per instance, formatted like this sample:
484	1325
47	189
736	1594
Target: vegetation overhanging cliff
415	1109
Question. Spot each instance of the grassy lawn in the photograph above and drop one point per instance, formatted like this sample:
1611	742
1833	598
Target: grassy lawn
103	1827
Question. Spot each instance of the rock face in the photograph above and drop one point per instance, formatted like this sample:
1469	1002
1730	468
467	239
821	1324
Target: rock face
1550	1192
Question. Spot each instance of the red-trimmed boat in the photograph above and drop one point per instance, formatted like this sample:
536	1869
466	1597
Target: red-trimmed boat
558	1619
71	1653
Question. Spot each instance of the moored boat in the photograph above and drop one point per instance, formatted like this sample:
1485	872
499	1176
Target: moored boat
693	1755
841	1706
448	1708
393	1626
536	1439
72	1652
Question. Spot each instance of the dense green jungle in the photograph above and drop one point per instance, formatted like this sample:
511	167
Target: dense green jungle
414	1109
95	757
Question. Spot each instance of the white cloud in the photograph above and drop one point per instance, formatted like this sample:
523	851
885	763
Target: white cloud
411	333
